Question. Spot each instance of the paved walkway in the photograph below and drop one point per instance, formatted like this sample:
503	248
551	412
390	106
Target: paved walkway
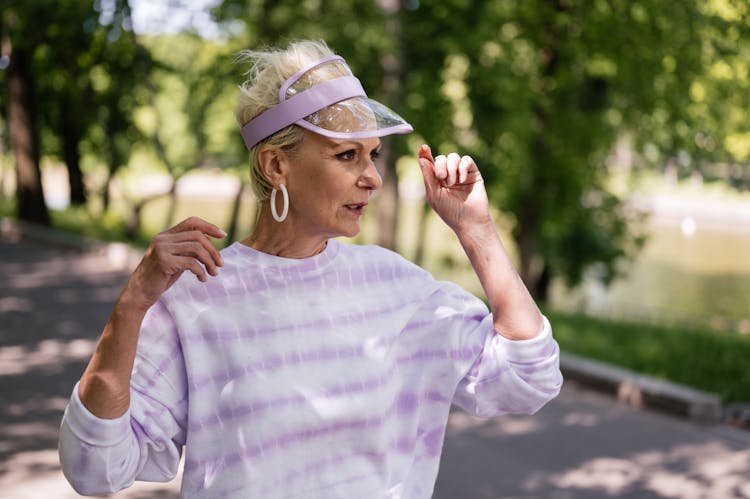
53	303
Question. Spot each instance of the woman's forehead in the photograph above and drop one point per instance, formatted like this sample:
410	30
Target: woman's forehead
332	143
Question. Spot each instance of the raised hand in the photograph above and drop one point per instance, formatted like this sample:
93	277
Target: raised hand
455	189
183	247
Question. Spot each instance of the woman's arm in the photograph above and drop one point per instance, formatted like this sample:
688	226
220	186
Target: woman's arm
456	191
105	385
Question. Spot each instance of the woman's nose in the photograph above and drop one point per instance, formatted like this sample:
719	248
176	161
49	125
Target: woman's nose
370	178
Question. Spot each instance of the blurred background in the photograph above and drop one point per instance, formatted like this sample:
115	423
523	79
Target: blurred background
613	136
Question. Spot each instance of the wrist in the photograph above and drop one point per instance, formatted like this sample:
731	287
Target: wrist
131	304
478	233
137	296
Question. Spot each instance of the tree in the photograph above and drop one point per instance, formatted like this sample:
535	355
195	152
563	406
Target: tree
53	54
539	91
710	132
22	121
117	89
185	87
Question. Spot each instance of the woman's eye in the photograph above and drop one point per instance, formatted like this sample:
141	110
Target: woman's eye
375	155
347	155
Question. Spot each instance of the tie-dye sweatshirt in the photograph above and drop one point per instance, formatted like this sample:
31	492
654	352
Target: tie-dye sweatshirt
323	377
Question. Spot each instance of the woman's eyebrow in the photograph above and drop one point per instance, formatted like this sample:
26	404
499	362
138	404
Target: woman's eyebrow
336	145
350	143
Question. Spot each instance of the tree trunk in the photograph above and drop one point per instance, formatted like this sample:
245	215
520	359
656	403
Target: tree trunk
70	132
424	217
532	209
133	226
393	76
111	170
387	205
526	235
541	289
234	218
24	140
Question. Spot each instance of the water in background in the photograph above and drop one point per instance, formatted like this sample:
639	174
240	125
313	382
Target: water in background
694	269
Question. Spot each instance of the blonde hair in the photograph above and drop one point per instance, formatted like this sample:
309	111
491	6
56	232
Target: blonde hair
260	92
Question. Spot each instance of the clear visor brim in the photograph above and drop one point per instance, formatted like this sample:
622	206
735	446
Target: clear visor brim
357	117
327	99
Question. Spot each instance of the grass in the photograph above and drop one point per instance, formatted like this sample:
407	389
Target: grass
701	358
106	227
705	359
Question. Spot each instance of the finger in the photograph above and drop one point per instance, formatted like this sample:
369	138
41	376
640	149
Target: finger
427	165
465	167
452	162
214	254
441	168
197	223
426	152
191	264
197	236
199	248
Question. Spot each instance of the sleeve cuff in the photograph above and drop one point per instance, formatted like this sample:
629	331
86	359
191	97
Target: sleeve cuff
92	429
540	346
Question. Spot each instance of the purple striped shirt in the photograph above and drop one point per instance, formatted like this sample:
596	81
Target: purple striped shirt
323	377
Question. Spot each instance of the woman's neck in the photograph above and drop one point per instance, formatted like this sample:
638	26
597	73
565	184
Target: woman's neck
283	239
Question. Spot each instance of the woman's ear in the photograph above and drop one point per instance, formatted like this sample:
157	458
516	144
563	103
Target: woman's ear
273	164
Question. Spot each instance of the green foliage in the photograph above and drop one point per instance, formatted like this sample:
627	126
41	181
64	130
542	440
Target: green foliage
538	92
188	114
542	92
709	360
85	65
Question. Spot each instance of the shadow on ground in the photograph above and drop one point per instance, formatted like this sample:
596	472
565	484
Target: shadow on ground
585	446
53	304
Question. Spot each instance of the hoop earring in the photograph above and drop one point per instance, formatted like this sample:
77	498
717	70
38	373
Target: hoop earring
285	195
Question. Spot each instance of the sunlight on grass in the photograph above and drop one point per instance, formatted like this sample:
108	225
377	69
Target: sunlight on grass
705	359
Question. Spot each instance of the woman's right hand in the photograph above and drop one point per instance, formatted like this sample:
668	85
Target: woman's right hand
183	247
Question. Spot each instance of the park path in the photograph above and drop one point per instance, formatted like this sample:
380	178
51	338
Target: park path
53	303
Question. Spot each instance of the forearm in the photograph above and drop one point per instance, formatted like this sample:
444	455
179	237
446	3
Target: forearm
516	315
105	385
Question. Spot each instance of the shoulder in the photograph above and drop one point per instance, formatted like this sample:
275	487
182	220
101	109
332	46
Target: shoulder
390	263
379	257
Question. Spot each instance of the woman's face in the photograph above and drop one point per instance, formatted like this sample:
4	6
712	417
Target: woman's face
330	182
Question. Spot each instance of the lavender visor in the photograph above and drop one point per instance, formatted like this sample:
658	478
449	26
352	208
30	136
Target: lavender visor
326	98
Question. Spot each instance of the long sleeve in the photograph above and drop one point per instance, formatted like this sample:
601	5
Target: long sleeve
511	376
492	375
101	456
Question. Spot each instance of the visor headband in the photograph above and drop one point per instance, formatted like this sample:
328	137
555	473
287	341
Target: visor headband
303	104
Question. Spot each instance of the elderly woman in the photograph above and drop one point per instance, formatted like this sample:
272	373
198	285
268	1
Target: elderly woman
297	365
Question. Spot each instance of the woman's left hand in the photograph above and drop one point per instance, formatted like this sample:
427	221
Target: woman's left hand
455	189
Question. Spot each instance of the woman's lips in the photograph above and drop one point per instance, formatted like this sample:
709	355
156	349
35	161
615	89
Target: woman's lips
357	208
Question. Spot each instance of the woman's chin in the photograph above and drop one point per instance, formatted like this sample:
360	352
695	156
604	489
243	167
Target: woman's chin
351	231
